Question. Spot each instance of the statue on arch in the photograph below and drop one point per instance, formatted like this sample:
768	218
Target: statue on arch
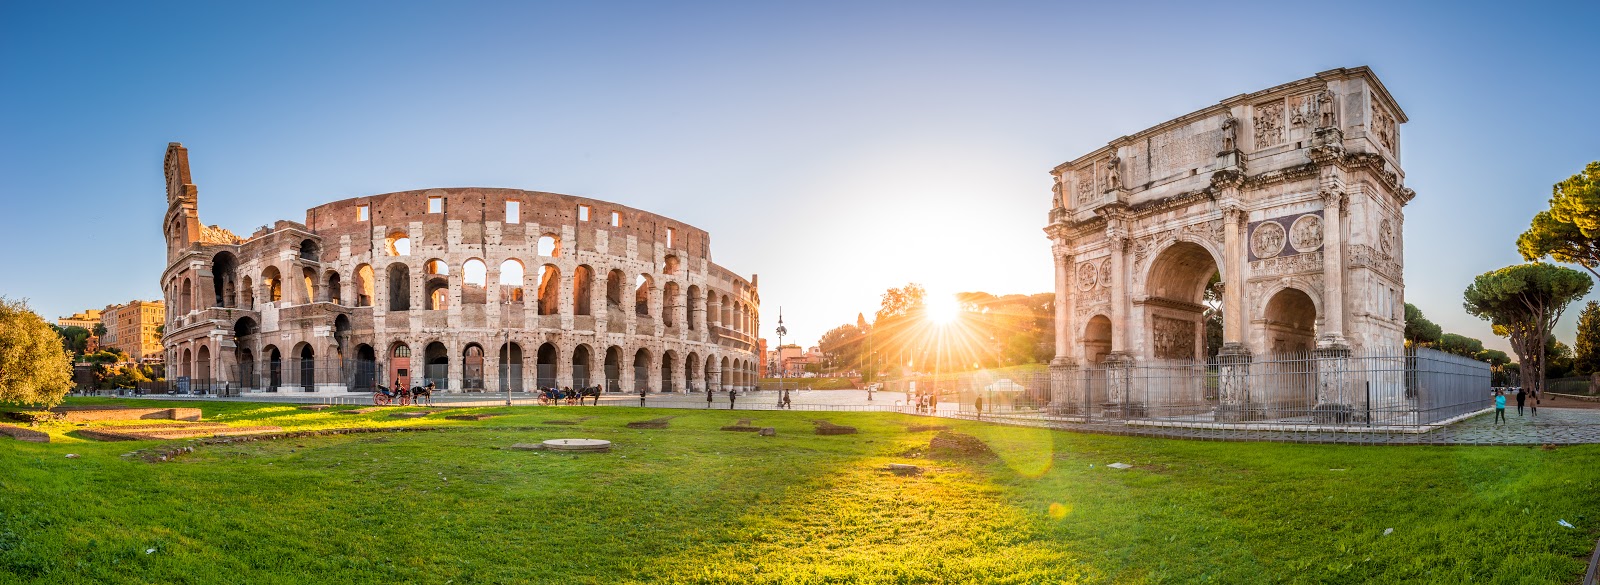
1113	173
1230	129
1325	109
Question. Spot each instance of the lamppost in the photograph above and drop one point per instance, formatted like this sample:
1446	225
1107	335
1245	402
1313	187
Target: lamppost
782	367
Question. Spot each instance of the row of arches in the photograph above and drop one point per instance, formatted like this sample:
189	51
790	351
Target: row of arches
553	293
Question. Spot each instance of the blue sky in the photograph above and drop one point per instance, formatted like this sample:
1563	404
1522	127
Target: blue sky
837	149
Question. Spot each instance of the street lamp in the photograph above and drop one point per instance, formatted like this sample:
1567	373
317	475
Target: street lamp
782	367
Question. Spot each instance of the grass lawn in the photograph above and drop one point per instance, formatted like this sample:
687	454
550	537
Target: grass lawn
692	504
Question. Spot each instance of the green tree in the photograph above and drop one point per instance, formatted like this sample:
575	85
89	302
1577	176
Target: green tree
1558	359
1495	358
73	338
842	346
1523	302
1569	231
34	368
1460	345
1586	348
100	330
1419	330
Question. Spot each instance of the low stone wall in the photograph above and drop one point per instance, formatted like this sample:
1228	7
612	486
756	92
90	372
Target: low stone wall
102	413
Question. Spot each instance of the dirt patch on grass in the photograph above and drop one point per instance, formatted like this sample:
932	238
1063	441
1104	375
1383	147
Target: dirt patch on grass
951	445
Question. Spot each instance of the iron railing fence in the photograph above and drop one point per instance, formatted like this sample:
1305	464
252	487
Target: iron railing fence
1317	388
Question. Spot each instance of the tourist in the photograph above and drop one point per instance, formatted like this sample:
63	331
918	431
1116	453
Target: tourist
709	396
641	397
1522	396
978	403
732	394
1499	407
787	403
1533	402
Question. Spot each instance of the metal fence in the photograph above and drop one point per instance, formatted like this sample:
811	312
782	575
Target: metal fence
1317	388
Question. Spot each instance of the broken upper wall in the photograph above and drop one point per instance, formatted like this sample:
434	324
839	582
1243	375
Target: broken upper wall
1253	133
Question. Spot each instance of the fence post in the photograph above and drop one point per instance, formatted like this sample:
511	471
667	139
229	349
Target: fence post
1333	407
1120	401
1063	391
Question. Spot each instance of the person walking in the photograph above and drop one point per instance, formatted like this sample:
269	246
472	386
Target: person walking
710	394
1533	402
641	397
1499	407
978	403
732	394
1522	396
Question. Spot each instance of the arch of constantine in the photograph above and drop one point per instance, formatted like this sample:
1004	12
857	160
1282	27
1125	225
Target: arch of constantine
1281	209
472	289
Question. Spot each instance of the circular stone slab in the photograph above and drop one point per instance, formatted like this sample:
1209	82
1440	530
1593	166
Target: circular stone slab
578	445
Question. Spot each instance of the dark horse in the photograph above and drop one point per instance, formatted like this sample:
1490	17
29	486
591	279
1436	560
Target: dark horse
421	392
588	391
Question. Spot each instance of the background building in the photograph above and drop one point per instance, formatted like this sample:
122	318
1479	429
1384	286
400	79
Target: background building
134	327
87	319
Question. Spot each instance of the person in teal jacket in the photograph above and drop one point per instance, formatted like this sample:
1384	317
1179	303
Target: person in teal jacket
1499	407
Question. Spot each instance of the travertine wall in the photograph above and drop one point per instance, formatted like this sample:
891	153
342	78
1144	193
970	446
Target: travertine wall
343	290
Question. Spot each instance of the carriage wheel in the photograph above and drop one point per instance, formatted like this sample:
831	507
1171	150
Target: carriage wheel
380	399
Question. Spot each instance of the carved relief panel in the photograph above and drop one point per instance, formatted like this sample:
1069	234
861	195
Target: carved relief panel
1382	126
1268	123
1174	338
1286	236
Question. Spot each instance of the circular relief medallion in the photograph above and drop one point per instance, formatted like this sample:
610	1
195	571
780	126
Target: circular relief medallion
1267	240
1105	273
1086	274
1306	233
1386	238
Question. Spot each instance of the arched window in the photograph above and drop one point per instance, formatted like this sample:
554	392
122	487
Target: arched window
582	289
364	292
474	276
309	250
511	273
274	283
549	245
436	267
549	290
335	291
641	295
399	287
399	244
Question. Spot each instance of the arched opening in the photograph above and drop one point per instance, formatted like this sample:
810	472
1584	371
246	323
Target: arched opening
400	371
399	287
670	265
726	318
186	364
437	294
308	279
309	251
511	367
364	280
274	283
641	295
641	370
247	294
247	368
711	379
615	281
669	301
549	290
582	289
667	358
726	374
613	369
186	296
202	370
274	368
472	368
581	362
1176	289
691	372
437	368
1097	340
366	369
696	308
436	267
474	282
335	291
308	368
511	273
224	279
1291	322
546	368
398	244
341	336
549	245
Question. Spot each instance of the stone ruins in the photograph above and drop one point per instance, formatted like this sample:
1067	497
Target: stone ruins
452	286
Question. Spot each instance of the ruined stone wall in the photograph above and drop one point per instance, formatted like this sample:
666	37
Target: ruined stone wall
432	273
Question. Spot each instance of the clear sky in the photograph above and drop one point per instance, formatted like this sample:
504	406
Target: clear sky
836	149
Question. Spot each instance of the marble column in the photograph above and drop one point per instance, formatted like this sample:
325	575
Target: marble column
1233	317
1332	270
1064	396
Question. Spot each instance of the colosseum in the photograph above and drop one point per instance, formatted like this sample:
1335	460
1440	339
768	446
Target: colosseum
462	287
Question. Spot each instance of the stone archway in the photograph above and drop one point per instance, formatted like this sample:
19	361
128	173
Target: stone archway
1289	322
1097	340
1176	295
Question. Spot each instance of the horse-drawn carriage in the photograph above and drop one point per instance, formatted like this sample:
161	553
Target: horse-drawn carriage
383	396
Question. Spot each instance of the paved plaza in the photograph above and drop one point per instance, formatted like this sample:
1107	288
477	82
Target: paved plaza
1552	426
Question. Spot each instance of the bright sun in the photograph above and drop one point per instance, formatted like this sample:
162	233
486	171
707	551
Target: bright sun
943	309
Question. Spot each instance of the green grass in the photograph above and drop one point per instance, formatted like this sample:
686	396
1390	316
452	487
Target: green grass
692	504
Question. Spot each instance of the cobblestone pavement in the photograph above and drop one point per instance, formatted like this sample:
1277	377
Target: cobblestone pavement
1556	426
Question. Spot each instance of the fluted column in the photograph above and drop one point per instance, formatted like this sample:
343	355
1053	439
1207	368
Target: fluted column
1119	293
1332	270
1064	304
1233	316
